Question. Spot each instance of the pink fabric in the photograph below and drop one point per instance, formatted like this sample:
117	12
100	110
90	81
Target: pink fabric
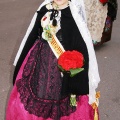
16	111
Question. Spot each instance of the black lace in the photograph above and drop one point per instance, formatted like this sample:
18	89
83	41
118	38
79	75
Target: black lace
40	85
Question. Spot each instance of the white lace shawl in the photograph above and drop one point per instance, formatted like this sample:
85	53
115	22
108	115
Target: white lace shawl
78	12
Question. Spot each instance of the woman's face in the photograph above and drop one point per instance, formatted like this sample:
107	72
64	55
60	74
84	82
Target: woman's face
60	2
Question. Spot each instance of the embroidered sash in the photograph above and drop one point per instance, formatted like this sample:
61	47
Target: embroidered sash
49	33
56	46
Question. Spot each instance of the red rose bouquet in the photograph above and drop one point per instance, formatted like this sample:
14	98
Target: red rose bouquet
71	61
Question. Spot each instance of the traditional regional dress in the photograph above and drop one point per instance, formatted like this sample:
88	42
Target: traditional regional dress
40	92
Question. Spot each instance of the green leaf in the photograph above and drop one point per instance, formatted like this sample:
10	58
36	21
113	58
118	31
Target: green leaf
73	72
60	67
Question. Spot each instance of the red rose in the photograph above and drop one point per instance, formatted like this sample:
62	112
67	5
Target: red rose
71	60
103	1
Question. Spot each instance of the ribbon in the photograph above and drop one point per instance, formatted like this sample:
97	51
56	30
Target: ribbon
95	106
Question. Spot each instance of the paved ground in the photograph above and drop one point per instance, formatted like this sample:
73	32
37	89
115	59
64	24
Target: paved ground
15	16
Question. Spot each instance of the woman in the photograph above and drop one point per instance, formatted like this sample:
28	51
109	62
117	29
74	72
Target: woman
41	91
100	16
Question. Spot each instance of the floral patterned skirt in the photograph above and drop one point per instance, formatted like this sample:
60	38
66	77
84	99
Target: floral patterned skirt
107	32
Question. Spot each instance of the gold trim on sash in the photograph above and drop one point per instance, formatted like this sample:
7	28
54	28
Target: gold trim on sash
56	46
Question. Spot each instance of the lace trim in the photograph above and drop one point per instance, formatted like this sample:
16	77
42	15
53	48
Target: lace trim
41	107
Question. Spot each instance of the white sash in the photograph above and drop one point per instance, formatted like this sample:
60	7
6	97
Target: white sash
56	46
54	43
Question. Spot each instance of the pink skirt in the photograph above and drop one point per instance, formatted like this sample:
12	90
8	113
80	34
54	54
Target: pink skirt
16	111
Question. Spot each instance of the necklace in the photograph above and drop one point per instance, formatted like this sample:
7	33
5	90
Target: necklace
55	11
59	7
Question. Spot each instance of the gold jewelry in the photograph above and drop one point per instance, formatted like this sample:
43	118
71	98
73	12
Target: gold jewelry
58	7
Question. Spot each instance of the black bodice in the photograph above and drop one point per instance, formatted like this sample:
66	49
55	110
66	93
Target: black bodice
71	39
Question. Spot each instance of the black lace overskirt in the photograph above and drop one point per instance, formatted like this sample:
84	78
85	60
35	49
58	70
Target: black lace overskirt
41	83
